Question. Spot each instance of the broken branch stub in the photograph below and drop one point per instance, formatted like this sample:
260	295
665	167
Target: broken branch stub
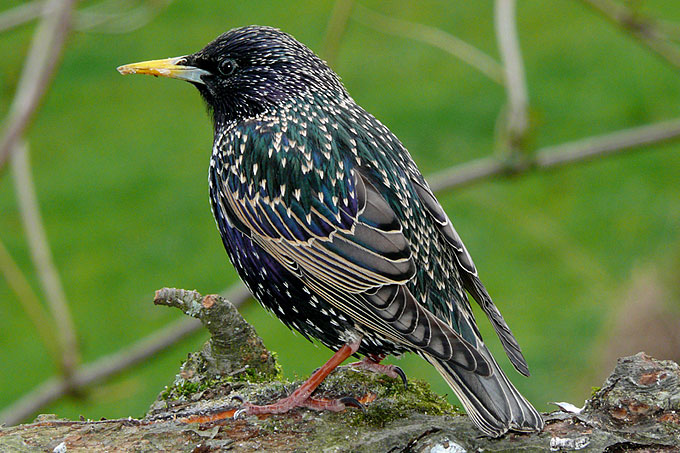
233	347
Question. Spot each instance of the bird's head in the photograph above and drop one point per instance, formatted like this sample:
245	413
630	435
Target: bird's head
247	71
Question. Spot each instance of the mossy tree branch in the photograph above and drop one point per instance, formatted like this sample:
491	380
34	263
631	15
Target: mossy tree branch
637	407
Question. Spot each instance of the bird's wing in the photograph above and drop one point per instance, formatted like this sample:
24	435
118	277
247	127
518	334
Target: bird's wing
336	232
470	278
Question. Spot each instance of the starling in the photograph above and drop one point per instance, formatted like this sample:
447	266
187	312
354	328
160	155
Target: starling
332	227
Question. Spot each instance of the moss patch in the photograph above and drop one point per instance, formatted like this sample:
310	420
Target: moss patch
197	379
391	400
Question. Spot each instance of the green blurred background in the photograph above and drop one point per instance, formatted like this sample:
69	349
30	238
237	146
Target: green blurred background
120	165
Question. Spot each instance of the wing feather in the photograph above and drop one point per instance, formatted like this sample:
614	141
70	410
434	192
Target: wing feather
471	281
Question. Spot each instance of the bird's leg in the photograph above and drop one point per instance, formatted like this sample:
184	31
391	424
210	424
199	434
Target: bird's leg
372	363
302	396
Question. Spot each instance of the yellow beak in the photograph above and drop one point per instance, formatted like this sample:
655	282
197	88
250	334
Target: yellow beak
166	68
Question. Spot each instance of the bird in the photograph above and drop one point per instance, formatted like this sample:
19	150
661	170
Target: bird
332	227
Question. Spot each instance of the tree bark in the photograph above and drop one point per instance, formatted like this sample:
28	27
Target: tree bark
637	408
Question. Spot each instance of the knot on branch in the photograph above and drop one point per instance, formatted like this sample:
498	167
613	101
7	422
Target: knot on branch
641	396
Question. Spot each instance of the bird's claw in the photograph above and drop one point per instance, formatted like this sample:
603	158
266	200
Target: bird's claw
374	366
241	413
245	405
402	375
351	401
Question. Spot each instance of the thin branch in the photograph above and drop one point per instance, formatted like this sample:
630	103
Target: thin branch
117	16
643	28
108	366
337	25
40	65
516	116
432	36
604	145
20	15
558	155
42	259
467	173
103	368
670	28
29	301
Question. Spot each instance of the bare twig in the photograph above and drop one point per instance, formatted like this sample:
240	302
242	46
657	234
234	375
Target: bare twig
29	301
670	28
337	25
41	62
20	15
432	36
603	145
516	116
103	368
643	28
42	259
467	173
110	365
117	16
558	155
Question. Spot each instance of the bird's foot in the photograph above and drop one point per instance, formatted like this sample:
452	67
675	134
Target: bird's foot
302	396
293	401
372	363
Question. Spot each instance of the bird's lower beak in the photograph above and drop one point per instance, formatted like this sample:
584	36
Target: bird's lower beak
169	67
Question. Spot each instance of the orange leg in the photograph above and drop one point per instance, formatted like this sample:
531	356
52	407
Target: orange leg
372	363
302	396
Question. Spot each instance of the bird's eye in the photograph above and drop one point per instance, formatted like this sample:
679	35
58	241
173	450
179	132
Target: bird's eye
227	67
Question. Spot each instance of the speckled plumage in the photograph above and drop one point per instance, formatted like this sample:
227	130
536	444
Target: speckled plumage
332	227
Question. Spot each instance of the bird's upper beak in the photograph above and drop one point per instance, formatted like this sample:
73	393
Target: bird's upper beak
170	67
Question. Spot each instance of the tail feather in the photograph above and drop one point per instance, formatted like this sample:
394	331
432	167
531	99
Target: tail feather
474	285
493	403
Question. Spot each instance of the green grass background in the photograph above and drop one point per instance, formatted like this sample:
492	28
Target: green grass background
120	165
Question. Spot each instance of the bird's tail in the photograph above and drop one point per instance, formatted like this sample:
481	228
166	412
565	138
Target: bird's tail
493	403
